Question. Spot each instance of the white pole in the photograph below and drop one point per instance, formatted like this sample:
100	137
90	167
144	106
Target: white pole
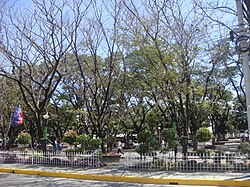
244	50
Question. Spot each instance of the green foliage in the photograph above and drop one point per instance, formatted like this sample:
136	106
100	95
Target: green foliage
144	135
173	144
168	134
95	143
24	138
77	150
245	148
203	151
70	137
82	139
203	134
143	148
150	144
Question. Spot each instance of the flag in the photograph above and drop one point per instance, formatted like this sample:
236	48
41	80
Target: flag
18	116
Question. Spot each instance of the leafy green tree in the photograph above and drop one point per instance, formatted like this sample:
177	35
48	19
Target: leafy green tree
95	142
171	51
148	144
203	134
144	135
83	139
169	136
238	116
220	111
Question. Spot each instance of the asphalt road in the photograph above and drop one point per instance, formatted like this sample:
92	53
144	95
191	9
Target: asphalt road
20	180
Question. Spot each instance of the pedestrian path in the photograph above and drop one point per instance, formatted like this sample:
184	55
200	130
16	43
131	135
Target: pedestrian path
116	174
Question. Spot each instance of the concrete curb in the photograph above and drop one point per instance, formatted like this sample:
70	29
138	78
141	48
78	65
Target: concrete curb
133	179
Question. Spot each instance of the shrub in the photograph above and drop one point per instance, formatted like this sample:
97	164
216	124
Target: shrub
144	135
95	143
70	137
203	134
24	138
149	146
153	143
143	148
203	153
83	139
168	134
245	148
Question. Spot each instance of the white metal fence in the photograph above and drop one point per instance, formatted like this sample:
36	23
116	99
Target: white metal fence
67	159
229	161
190	162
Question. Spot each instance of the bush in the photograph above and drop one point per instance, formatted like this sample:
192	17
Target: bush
203	151
24	138
70	137
144	135
83	139
203	135
149	146
245	148
143	148
168	134
152	143
95	143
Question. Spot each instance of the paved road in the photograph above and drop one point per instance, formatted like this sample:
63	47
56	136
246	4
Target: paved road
20	180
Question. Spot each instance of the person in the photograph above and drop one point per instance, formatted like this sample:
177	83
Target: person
59	146
119	147
242	136
131	143
163	143
54	148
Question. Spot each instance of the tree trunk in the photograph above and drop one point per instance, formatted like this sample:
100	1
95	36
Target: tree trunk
195	143
103	147
184	144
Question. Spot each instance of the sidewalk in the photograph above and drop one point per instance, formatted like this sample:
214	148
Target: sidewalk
116	174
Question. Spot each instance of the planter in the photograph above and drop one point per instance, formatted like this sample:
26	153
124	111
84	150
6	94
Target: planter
210	146
149	154
219	143
111	158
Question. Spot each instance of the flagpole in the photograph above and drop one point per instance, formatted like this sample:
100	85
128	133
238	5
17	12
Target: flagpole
243	48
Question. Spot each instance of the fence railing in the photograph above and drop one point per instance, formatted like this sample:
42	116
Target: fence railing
190	162
68	159
229	161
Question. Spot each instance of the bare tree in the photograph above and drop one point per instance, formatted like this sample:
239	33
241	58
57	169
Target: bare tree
96	52
35	44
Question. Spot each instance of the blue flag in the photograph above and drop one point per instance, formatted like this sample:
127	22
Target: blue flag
18	116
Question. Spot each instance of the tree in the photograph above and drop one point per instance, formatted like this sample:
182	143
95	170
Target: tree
35	44
99	75
169	136
203	134
83	140
173	47
148	142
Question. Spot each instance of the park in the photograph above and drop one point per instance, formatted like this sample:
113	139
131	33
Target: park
145	86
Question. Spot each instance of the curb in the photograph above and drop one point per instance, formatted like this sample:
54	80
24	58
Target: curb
133	179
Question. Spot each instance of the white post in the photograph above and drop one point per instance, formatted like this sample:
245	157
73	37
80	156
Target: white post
244	50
